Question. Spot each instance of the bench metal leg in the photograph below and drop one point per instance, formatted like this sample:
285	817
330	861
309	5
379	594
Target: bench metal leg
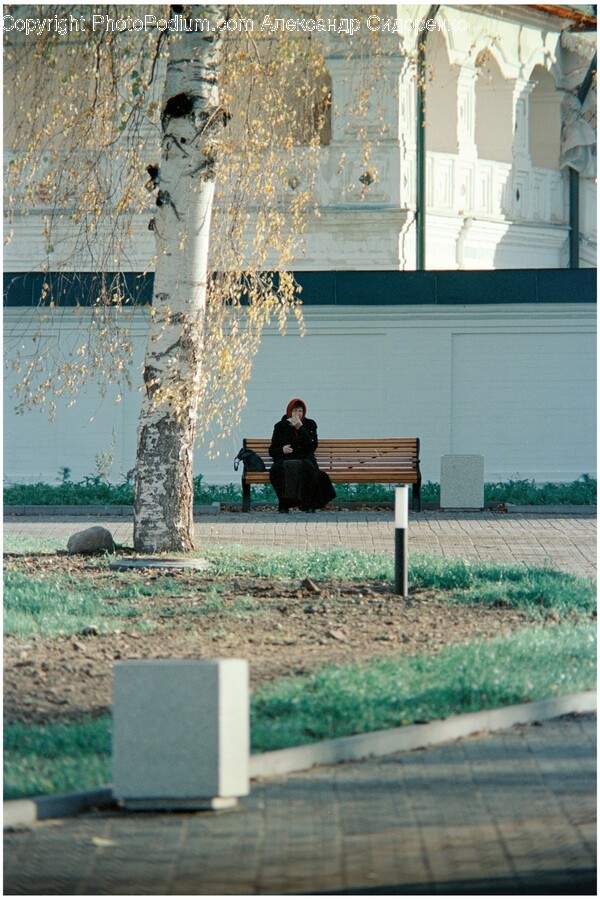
416	497
246	502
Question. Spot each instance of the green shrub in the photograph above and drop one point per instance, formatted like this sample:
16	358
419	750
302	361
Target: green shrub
523	492
89	491
94	491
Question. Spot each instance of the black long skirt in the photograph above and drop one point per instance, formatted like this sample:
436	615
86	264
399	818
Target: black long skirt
313	487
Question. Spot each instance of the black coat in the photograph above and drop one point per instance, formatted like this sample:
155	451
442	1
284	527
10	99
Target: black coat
316	488
304	440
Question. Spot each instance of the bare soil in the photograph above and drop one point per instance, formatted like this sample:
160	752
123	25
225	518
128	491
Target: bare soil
283	628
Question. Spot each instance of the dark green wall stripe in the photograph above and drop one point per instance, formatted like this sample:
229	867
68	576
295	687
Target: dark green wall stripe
72	288
343	288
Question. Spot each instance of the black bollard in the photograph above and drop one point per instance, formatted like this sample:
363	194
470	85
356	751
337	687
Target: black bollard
401	541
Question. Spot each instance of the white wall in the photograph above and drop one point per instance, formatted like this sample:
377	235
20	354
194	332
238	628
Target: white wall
515	383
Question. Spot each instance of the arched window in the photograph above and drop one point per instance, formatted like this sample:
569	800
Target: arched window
544	120
441	101
493	111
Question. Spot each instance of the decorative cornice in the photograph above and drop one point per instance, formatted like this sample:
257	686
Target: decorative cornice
583	21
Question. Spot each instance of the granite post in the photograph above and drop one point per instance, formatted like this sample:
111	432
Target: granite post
461	482
181	733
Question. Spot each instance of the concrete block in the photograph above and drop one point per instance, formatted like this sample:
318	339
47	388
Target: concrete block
461	482
181	733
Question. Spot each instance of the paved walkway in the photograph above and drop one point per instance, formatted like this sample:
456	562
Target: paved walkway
566	542
509	813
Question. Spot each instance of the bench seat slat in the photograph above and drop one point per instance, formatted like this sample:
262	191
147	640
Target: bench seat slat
346	477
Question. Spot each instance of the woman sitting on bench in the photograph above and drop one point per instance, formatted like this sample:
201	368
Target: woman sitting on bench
295	475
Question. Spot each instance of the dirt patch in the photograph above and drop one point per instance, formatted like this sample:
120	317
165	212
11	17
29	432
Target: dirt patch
283	628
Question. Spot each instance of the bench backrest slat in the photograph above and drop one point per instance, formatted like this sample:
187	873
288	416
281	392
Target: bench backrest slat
356	455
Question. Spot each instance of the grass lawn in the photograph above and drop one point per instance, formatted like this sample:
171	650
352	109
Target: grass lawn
50	604
554	655
533	664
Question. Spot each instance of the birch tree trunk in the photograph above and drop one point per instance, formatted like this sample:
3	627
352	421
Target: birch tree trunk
163	506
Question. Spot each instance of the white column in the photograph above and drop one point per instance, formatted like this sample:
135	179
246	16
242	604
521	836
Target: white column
521	90
465	125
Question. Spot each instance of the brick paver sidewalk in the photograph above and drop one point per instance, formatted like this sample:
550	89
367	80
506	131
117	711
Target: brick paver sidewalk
509	813
565	542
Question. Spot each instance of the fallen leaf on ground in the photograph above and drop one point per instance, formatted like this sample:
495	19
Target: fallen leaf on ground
103	842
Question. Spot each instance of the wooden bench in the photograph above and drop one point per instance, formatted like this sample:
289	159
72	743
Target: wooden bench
351	461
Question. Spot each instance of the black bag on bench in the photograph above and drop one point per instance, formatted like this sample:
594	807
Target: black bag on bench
251	460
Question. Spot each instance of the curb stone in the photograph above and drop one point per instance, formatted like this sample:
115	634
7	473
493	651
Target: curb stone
124	511
554	510
27	811
416	737
356	747
97	510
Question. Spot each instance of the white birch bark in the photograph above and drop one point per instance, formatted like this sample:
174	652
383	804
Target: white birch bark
163	507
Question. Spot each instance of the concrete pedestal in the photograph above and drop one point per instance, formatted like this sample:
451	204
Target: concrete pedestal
461	482
181	733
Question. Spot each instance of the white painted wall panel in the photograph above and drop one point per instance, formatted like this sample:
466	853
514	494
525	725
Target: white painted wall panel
532	393
35	448
515	383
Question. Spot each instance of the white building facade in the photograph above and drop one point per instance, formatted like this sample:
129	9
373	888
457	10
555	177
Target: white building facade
454	300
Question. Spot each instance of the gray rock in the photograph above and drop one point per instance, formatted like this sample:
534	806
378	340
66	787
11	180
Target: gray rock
91	540
310	585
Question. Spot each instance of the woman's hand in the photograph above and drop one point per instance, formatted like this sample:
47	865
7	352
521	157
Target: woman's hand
288	448
296	422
